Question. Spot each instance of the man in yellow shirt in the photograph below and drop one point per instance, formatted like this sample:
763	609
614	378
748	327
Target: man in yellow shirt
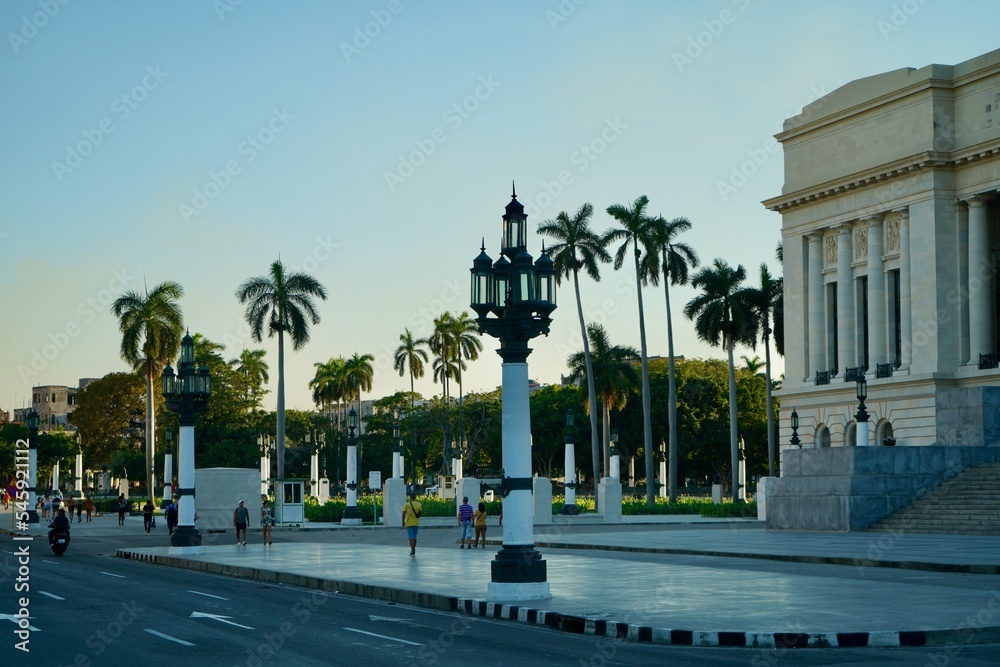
412	511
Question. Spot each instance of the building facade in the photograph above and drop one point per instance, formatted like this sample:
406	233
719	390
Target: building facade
890	230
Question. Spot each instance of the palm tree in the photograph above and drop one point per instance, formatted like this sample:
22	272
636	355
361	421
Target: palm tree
410	355
151	326
637	230
206	350
752	365
328	382
251	365
359	373
443	346
282	303
766	301
577	247
467	345
676	258
723	316
614	378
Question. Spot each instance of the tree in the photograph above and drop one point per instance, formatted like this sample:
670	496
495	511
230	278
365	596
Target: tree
282	303
443	345
766	303
722	314
151	325
410	356
103	413
251	365
752	365
637	230
359	374
577	247
329	383
614	378
676	258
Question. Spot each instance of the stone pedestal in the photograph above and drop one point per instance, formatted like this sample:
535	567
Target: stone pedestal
717	494
542	492
393	499
609	497
763	488
468	487
324	491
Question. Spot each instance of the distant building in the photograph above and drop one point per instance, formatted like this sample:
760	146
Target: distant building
54	404
891	231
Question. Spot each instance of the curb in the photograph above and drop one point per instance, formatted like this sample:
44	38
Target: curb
582	625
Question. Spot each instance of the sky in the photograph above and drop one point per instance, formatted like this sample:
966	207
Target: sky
374	144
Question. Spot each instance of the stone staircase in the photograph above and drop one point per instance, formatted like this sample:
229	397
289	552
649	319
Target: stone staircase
967	504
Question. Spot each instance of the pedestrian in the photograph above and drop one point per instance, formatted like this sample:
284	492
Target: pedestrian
147	516
70	507
266	521
90	507
465	521
46	506
171	514
480	520
3	495
122	507
56	504
412	511
79	511
241	518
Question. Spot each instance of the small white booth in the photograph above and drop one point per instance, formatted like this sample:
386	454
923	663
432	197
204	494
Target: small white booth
289	501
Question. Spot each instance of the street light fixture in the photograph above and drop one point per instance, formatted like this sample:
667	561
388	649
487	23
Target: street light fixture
352	516
186	394
513	299
570	508
862	414
397	448
168	467
31	420
795	430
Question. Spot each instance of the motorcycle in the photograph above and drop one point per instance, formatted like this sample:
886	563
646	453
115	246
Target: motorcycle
60	541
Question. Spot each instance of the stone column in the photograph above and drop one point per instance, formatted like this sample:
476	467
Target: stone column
980	282
878	348
814	279
905	324
962	265
846	333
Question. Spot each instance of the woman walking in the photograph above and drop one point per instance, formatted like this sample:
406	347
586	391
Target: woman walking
480	520
122	507
147	515
266	521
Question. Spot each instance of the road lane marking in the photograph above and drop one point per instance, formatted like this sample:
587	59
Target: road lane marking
391	619
209	595
112	575
392	639
16	620
50	562
169	638
219	618
54	597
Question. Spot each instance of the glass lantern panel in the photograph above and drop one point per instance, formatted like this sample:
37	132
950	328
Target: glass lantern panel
501	292
527	286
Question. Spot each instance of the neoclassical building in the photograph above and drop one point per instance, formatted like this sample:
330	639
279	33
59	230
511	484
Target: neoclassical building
890	232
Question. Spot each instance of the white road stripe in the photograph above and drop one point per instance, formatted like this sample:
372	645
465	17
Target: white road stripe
112	574
54	597
169	638
209	595
392	639
50	562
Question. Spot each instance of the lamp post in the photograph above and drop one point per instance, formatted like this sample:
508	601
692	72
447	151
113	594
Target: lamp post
313	464
520	296
78	477
168	467
795	430
615	464
32	422
396	451
352	516
55	475
570	508
186	394
862	414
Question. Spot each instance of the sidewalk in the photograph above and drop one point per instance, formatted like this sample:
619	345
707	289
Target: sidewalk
666	598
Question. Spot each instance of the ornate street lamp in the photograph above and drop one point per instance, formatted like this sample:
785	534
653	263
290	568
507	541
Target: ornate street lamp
186	394
397	443
352	516
862	414
31	421
168	467
615	463
795	430
570	508
513	299
78	477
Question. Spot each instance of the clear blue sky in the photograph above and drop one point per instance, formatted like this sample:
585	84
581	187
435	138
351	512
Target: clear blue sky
377	161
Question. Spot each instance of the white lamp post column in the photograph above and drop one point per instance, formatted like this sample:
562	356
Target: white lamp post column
32	423
352	516
168	468
570	507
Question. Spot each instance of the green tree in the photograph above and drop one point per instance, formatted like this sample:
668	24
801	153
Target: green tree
722	314
410	357
675	260
151	325
637	229
282	303
254	369
766	304
577	247
614	378
103	413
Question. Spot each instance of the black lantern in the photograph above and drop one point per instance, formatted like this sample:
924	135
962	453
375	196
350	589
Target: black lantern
614	442
31	421
795	429
862	414
352	421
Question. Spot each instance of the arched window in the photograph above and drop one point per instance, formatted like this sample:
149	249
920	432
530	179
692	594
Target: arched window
883	433
822	436
851	435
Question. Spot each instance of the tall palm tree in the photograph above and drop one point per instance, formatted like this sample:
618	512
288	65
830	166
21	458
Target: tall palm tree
328	383
723	317
614	378
637	231
446	367
151	326
577	247
466	344
675	260
766	301
410	356
752	365
206	350
254	369
359	373
282	303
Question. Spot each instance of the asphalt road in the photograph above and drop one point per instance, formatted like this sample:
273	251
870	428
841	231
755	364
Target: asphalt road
89	608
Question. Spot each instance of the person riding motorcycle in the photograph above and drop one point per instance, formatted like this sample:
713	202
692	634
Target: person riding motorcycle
60	524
